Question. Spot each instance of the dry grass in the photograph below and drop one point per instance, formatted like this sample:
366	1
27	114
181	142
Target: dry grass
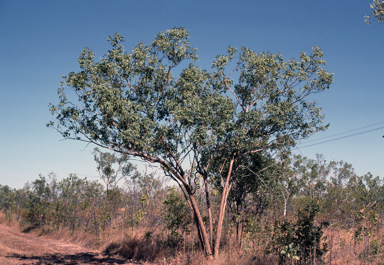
344	249
140	245
11	223
133	246
79	238
162	248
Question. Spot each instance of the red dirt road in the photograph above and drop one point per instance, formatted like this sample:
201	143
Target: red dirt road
21	248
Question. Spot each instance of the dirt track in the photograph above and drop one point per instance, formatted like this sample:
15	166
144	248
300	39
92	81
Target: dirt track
21	248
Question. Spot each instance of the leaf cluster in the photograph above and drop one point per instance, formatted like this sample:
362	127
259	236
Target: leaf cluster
377	12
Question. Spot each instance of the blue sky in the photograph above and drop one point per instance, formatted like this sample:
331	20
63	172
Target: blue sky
41	40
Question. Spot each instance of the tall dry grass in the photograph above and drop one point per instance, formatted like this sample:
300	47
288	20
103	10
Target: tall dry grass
344	248
163	248
80	238
11	223
156	246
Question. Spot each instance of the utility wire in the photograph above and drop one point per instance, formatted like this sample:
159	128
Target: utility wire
340	138
344	132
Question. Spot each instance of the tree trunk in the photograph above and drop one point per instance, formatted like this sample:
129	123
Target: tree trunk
200	225
201	240
223	203
239	230
285	207
209	212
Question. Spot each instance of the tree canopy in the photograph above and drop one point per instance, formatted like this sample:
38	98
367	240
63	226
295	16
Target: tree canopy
377	12
199	123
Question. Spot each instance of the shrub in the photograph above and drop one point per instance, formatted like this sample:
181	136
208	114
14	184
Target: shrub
299	241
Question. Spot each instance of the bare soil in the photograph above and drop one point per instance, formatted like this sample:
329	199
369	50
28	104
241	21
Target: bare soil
26	248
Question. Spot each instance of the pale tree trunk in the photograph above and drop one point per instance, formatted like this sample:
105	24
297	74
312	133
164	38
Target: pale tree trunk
239	231
223	203
209	212
285	206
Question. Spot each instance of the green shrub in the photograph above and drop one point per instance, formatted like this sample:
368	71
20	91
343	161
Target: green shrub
300	241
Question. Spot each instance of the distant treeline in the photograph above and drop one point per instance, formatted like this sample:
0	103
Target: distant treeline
282	213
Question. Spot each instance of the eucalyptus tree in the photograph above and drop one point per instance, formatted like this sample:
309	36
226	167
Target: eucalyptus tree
113	167
367	191
377	11
38	204
197	123
288	182
307	175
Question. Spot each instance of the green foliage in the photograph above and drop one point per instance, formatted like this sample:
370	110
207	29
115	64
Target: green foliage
143	199
72	202
257	233
7	201
377	12
140	214
132	104
367	191
351	203
38	206
367	222
109	174
177	213
375	247
200	123
255	177
299	241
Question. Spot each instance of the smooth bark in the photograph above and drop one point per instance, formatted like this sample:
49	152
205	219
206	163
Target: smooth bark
209	210
223	203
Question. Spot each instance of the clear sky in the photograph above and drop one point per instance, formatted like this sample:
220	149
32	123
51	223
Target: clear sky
40	41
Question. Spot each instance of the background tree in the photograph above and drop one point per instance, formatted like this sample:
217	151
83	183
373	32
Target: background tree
251	188
324	191
7	201
108	173
288	183
38	206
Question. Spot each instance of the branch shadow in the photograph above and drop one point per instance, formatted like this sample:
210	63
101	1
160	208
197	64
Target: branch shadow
28	229
78	258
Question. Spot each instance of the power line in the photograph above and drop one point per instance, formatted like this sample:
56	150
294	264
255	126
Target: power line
340	138
87	176
344	132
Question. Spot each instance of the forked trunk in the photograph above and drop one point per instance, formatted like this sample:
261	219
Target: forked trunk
223	203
